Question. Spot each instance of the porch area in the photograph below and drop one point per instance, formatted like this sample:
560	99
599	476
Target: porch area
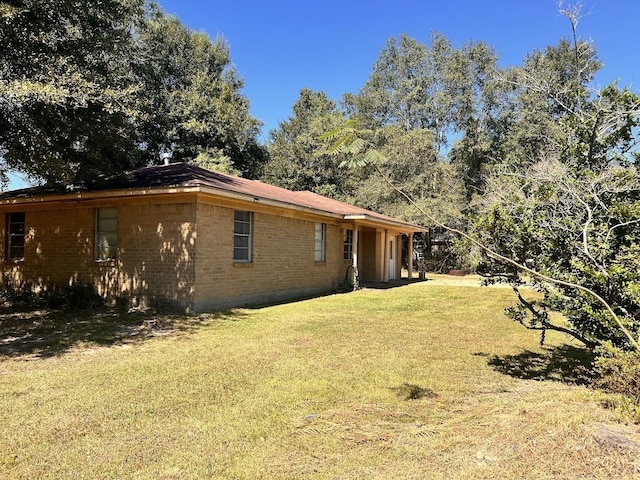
376	255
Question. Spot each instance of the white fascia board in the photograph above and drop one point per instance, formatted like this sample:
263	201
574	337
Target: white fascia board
396	225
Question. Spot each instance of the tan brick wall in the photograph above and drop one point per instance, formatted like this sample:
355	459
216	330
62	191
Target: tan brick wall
156	248
398	256
182	252
58	249
282	257
157	245
3	227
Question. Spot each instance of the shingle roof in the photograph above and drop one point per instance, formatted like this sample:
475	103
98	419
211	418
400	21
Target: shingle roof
185	175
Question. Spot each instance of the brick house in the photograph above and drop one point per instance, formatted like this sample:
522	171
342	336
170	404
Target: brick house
184	235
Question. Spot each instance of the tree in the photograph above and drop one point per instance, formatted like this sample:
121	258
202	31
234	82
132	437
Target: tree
415	86
546	89
69	90
579	226
569	209
449	92
295	161
195	93
409	160
101	87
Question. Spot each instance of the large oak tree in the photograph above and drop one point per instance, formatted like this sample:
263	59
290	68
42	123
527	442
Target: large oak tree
101	87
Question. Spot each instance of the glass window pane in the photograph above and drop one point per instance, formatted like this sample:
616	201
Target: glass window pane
242	228
240	254
108	225
107	213
17	251
242	216
241	242
109	239
242	236
15	236
17	241
319	241
106	233
348	244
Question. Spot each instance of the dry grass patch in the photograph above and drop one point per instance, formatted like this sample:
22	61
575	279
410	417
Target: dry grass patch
422	381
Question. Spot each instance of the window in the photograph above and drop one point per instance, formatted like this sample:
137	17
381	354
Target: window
15	236
348	244
242	236
321	231
106	233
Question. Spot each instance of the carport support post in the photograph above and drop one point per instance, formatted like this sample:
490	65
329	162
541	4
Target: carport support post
385	255
354	255
410	255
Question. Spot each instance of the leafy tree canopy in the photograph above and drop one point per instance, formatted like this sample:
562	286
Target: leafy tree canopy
296	160
196	94
566	201
69	86
101	87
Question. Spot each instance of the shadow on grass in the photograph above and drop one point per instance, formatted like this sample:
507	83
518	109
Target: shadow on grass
409	391
399	282
45	333
564	363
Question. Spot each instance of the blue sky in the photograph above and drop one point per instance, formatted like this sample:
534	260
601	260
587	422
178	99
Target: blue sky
280	47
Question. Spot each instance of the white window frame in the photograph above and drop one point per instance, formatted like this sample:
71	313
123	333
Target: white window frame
242	236
348	244
320	237
106	234
15	236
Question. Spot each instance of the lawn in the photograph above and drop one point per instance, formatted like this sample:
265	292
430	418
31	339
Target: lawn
427	380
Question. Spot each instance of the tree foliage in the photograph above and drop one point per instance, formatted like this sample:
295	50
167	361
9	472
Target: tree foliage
578	226
100	87
69	86
434	87
195	90
566	202
410	161
296	160
418	100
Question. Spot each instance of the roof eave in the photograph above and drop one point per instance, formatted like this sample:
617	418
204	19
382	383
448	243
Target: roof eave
390	223
221	192
268	201
95	194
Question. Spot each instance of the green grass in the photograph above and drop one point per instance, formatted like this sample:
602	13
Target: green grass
422	381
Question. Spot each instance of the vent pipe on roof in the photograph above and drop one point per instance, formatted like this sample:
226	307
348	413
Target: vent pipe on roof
166	154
